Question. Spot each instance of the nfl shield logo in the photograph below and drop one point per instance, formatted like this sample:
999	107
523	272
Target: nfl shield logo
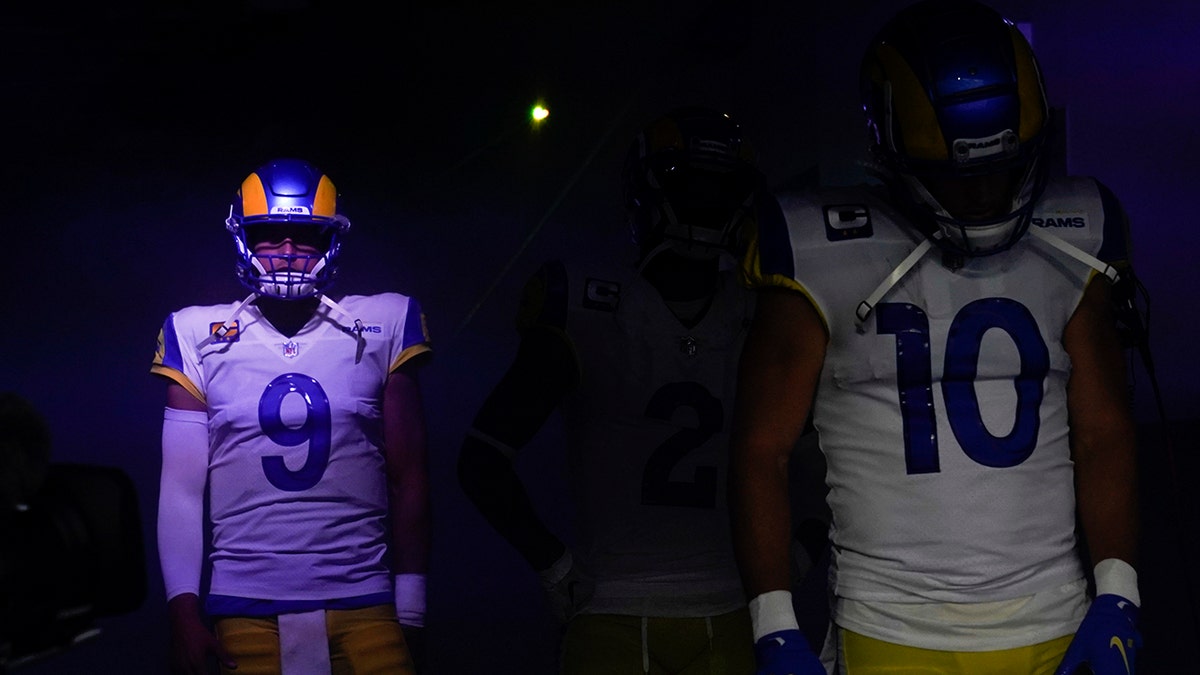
291	349
687	345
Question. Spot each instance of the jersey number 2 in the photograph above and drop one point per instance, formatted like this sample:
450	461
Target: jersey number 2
657	487
317	431
964	340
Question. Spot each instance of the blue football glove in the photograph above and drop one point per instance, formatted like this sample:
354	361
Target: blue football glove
1107	641
786	652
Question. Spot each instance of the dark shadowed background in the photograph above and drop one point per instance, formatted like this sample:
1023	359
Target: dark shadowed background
130	126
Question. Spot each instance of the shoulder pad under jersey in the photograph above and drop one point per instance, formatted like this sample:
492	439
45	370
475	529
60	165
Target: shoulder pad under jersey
1086	214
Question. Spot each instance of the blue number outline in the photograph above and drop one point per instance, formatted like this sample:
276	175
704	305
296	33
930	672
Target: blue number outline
317	431
964	341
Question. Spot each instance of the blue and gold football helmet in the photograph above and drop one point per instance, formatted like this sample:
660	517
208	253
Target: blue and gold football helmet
689	178
287	199
958	118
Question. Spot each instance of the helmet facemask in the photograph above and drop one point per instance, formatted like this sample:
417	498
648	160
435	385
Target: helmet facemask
976	213
698	210
689	183
299	273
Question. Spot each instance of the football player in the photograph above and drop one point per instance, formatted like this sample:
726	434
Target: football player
301	415
953	333
640	355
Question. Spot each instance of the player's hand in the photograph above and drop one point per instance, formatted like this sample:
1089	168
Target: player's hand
786	652
1107	641
568	586
192	643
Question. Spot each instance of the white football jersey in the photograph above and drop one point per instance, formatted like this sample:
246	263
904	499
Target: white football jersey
944	421
648	434
296	476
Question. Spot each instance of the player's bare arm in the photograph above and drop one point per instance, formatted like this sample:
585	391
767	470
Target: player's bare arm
777	380
181	399
1103	438
542	373
405	444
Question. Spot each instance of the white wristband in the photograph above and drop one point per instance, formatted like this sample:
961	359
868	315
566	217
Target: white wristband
410	599
771	612
1117	577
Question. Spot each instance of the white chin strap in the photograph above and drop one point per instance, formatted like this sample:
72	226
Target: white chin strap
356	331
1108	271
980	238
221	331
287	283
974	238
358	328
867	306
700	243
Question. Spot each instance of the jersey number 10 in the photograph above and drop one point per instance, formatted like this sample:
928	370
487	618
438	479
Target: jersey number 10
964	340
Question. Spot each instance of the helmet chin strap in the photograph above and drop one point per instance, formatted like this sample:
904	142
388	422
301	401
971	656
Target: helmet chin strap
971	238
864	309
358	329
227	325
691	240
1108	271
987	236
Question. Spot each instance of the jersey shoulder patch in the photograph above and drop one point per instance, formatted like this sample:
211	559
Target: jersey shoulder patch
847	221
601	294
828	215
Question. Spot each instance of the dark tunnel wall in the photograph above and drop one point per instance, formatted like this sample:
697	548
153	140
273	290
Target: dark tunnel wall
130	128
